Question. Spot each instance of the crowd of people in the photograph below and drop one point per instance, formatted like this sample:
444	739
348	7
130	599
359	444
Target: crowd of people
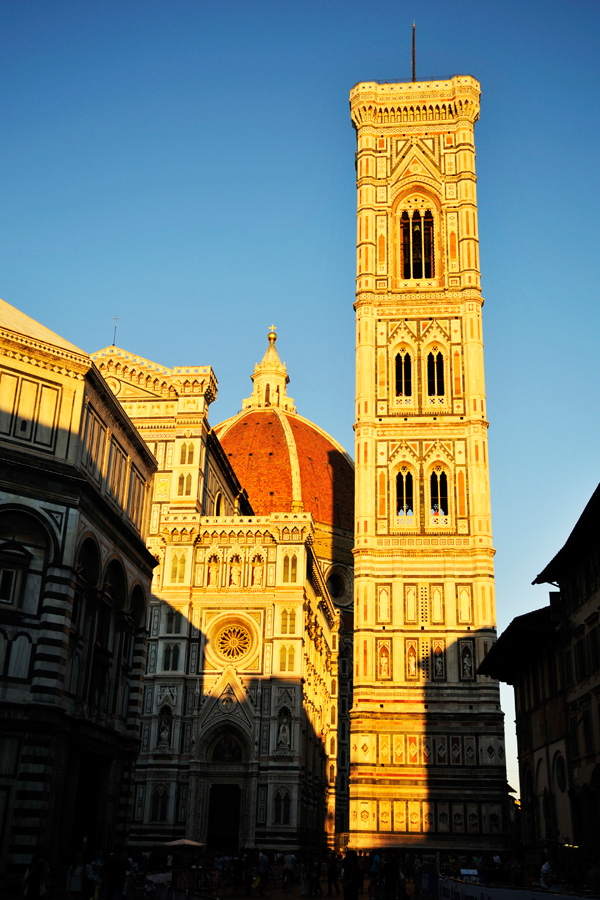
378	874
100	878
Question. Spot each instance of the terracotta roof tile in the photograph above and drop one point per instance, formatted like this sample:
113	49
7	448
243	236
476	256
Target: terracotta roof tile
255	442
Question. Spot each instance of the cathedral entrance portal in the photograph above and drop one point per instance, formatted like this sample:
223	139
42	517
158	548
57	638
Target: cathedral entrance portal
224	817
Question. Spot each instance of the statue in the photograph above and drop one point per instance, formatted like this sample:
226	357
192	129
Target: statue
283	738
236	572
257	571
384	668
467	664
213	571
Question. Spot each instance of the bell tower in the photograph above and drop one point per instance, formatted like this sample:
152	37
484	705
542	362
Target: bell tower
427	734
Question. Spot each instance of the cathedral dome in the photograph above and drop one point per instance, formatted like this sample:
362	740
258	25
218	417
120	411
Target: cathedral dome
285	462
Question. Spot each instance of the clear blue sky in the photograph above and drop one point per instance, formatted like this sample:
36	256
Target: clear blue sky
189	167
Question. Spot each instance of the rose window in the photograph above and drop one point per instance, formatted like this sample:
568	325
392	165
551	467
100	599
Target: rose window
233	641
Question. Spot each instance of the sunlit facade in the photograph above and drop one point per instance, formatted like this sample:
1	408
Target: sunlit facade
240	716
427	765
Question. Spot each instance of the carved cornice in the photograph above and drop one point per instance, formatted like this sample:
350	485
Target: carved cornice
27	350
415	103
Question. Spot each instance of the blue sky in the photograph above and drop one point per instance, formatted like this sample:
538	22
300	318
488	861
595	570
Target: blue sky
189	167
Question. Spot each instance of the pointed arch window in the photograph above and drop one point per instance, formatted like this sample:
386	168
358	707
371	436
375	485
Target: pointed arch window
159	804
403	373
186	457
290	569
174	620
282	806
287	658
405	496
438	486
171	658
178	568
417	246
435	373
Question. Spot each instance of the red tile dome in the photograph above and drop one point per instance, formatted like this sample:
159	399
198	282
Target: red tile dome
283	460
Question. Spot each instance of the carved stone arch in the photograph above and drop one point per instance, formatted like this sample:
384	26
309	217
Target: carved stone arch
235	550
114	582
434	332
401	340
88	559
403	332
214	550
16	520
403	453
427	188
214	742
437	454
19	661
138	604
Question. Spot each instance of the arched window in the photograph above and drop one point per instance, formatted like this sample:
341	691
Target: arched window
190	454
284	622
403	373
188	485
291	658
268	395
183	455
416	240
435	373
173	621
293	569
171	658
283	658
178	568
439	492
180	485
218	504
228	750
160	803
404	494
292	621
286	569
281	808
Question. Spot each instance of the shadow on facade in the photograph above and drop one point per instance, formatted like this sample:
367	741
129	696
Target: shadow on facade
227	759
72	653
463	749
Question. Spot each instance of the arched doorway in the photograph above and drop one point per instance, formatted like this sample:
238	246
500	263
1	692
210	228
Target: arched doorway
227	761
223	831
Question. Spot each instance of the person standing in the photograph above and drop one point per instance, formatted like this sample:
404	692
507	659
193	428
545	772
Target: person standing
350	876
287	872
263	872
79	876
332	873
34	882
115	875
